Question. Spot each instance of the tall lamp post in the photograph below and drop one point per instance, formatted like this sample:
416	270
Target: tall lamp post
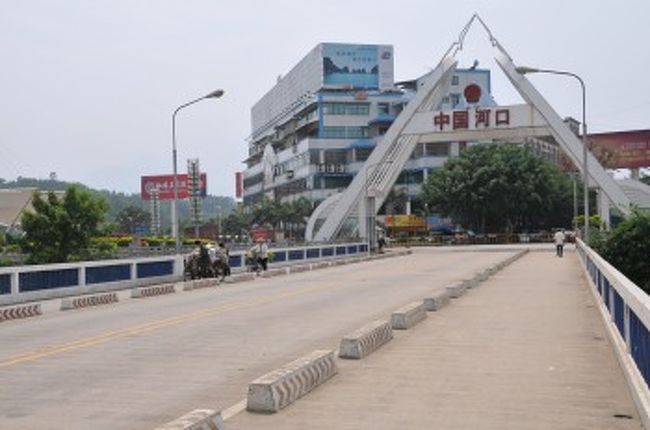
585	168
175	227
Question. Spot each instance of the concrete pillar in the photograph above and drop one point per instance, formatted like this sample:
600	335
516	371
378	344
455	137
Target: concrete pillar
14	280
134	271
603	208
82	276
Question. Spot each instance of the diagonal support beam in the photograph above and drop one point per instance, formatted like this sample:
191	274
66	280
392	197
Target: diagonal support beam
568	141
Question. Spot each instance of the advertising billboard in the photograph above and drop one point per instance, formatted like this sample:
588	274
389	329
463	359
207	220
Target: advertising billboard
357	66
405	222
165	186
623	149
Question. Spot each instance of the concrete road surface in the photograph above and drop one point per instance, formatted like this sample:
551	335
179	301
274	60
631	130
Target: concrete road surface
141	363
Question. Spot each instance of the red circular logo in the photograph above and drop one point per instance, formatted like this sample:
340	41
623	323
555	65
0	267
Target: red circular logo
472	93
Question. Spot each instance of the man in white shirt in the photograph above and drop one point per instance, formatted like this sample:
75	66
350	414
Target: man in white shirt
559	239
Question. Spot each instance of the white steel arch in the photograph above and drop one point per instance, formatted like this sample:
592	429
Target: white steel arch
415	122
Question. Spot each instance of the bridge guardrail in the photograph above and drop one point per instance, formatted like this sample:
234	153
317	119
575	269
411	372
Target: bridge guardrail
19	284
628	309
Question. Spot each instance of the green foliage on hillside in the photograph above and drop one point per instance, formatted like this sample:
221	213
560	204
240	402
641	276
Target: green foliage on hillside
118	201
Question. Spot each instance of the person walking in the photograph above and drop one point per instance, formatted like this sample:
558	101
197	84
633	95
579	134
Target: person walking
263	254
224	258
559	238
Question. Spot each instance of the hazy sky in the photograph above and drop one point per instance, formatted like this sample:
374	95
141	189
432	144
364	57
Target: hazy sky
87	88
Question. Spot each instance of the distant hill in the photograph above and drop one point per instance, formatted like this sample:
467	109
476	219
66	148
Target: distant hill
117	201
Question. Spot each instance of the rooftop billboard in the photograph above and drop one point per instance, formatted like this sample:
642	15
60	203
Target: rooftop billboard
623	149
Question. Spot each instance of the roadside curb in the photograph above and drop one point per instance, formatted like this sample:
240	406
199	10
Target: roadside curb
283	386
199	419
20	312
158	290
88	301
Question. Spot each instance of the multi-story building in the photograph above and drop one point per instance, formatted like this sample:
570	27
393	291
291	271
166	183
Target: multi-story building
313	130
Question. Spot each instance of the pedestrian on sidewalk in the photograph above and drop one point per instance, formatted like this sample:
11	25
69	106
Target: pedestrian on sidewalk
559	238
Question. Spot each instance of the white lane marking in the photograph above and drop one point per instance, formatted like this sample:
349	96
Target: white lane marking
238	407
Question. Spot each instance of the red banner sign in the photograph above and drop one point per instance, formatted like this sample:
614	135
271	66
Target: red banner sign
623	149
165	185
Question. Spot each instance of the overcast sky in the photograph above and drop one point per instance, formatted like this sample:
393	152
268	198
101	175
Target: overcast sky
87	88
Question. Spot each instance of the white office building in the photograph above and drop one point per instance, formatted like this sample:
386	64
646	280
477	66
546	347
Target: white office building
313	130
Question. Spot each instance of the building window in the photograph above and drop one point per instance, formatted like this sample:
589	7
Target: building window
436	149
314	156
337	181
455	100
383	108
445	100
346	109
340	132
336	156
454	80
362	154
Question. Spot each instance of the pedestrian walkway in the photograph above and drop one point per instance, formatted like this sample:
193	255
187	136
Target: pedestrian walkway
525	350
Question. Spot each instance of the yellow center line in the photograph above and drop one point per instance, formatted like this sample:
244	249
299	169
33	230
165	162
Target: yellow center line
152	326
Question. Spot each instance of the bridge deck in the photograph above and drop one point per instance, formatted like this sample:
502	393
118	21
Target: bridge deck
526	350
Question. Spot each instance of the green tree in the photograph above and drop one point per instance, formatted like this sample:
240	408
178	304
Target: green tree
500	187
628	248
61	229
236	223
131	217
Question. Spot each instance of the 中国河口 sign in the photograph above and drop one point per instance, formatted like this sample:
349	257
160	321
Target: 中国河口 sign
165	186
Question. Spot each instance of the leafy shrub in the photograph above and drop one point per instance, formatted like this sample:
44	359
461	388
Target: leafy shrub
628	248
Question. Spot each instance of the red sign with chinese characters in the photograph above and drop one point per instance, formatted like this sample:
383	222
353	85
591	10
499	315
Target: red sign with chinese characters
623	149
471	119
165	185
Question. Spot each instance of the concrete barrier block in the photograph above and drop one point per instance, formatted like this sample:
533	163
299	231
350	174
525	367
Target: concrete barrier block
407	316
240	277
19	312
470	283
283	386
273	272
367	339
156	290
300	268
436	301
200	283
199	419
457	290
320	265
86	301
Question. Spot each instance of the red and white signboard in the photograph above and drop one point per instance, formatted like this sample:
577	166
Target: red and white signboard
165	186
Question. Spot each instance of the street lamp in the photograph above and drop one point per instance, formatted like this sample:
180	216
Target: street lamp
175	228
370	207
585	168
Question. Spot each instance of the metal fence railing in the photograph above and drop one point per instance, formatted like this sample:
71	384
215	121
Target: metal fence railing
37	282
628	310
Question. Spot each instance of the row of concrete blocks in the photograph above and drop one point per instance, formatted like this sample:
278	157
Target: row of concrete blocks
281	387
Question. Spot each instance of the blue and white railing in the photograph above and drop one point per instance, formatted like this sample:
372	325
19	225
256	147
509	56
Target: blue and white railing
297	254
627	309
20	284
